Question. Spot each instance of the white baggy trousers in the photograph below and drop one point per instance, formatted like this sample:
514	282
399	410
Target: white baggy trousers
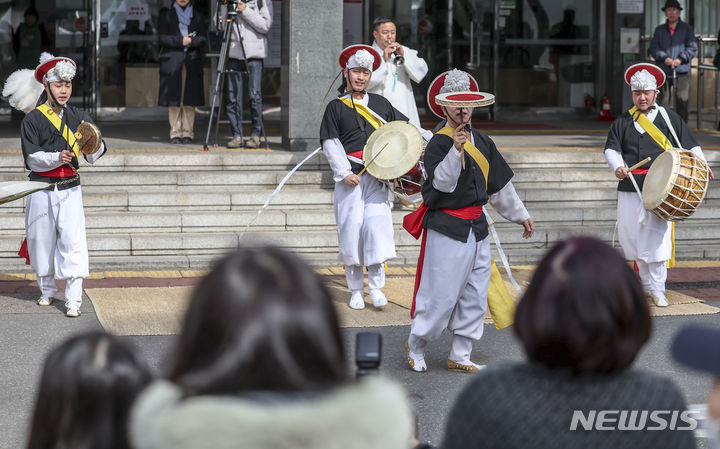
452	293
647	243
55	228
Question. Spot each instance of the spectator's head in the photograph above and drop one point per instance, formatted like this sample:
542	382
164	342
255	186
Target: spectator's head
31	16
86	390
584	310
183	3
260	320
384	31
672	10
699	347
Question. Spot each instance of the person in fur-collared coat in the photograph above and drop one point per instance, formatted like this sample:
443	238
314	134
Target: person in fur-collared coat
260	364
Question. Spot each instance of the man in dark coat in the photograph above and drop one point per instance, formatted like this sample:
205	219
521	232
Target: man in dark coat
182	40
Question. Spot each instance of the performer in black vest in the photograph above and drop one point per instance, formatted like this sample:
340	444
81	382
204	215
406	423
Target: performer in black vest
465	171
362	203
56	245
646	130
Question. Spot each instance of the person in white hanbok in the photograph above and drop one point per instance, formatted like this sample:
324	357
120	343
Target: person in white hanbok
400	65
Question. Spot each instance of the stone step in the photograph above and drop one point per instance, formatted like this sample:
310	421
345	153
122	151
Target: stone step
201	180
697	242
318	218
572	159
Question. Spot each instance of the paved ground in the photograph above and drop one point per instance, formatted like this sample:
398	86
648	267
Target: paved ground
28	331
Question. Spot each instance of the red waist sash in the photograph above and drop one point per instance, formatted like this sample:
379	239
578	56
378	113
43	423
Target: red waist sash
63	171
356	154
412	223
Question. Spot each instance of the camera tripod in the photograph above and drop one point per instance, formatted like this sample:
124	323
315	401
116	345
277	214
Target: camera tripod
230	25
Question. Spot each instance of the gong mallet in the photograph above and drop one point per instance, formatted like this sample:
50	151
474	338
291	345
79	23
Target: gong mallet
372	160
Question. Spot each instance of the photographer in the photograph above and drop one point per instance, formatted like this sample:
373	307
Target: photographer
248	49
399	65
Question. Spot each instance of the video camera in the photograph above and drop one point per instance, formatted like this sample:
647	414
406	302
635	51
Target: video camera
368	353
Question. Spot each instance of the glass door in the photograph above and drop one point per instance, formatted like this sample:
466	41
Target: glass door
69	26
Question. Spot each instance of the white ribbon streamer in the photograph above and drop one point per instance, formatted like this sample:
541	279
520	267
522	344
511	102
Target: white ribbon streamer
503	258
277	190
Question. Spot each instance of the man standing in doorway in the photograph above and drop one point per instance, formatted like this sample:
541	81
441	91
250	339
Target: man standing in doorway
673	46
399	65
248	49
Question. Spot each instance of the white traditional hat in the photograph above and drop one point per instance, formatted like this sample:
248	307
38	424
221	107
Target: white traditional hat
457	89
23	87
359	55
52	69
644	76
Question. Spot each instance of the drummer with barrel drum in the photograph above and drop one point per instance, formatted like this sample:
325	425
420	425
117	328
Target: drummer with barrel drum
641	136
54	135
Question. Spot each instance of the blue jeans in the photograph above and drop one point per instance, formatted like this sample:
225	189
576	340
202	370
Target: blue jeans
234	107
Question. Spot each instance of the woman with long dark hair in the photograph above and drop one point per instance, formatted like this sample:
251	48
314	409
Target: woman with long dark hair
87	387
260	363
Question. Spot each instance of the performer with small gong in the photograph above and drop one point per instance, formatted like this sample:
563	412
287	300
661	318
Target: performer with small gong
54	135
465	171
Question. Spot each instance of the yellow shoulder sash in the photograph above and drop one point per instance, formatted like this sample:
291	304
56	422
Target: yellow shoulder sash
472	150
363	111
650	128
66	133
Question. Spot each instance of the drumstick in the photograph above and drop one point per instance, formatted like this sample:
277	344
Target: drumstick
642	162
644	216
372	160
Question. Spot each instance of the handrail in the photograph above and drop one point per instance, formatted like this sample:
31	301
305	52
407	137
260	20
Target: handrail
701	68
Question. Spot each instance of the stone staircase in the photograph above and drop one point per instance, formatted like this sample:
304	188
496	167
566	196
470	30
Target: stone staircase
161	209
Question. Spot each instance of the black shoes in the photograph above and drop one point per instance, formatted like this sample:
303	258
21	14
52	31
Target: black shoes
179	140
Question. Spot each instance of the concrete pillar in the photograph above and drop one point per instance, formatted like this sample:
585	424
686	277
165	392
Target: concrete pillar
312	40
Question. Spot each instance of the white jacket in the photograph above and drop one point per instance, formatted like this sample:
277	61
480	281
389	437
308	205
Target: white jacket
253	25
399	91
372	413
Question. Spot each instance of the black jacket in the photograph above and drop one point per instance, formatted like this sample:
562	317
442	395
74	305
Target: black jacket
172	57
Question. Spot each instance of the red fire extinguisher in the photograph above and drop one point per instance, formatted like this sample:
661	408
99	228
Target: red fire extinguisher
605	114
